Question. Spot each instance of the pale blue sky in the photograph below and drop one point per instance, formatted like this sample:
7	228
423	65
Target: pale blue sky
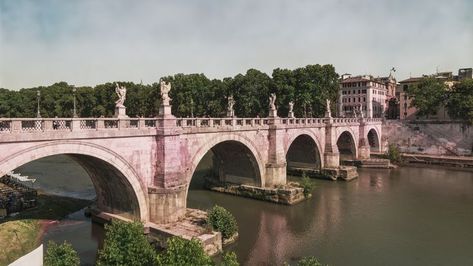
88	42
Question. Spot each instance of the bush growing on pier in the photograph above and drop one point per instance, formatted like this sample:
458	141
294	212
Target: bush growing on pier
223	221
61	255
180	251
394	155
306	184
125	244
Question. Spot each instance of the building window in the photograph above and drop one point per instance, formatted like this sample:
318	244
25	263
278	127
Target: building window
363	91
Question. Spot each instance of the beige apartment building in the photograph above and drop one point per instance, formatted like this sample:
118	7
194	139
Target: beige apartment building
365	95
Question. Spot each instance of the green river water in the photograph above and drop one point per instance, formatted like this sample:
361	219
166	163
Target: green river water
404	216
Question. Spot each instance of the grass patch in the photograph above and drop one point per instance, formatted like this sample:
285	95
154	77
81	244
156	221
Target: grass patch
21	234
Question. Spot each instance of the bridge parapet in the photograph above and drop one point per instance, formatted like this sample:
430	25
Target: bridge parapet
32	125
39	125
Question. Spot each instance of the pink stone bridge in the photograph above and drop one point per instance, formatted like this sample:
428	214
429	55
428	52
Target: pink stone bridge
141	168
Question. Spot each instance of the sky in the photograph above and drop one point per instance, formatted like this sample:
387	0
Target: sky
89	42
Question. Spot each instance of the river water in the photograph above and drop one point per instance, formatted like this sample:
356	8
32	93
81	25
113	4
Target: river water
404	216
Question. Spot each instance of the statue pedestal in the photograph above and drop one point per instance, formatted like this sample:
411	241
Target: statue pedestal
120	112
291	115
231	113
165	110
273	113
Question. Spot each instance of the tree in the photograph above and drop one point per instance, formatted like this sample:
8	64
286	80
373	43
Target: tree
251	93
230	259
125	244
460	101
61	255
427	96
183	252
223	221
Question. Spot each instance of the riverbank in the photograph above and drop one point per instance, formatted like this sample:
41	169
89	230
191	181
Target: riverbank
427	160
23	232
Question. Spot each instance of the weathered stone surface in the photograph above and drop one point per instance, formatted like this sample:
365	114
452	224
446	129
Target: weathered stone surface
288	194
147	164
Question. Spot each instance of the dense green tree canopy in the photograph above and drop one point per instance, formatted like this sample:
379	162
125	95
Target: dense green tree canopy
125	244
460	101
428	95
191	94
61	255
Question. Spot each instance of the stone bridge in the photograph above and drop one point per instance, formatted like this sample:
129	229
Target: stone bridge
141	168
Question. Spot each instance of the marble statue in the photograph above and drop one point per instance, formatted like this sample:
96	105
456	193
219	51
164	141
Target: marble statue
291	106
361	111
121	92
231	103
328	105
272	101
165	88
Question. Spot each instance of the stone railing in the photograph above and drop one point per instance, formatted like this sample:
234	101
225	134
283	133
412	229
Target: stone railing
302	121
221	122
32	125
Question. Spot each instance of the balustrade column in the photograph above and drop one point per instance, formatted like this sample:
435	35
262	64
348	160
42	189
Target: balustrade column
48	125
75	125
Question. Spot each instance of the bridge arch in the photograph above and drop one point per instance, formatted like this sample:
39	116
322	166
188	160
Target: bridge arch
218	144
117	185
304	149
347	144
374	139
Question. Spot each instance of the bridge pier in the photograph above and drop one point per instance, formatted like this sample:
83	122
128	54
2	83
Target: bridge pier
276	165
331	153
166	205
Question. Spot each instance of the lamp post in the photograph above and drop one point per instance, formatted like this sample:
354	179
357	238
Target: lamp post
38	96
74	113
192	108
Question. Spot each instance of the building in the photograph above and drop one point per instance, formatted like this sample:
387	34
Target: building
365	95
407	112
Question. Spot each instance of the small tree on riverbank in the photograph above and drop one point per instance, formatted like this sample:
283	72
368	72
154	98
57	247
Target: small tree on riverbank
223	221
61	255
393	154
307	185
125	244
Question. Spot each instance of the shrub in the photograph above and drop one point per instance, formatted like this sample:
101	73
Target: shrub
394	155
223	221
125	244
306	184
230	259
61	255
183	252
309	261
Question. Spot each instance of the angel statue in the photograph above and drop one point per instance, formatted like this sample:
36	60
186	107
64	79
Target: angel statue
121	92
165	88
328	105
272	100
291	106
231	103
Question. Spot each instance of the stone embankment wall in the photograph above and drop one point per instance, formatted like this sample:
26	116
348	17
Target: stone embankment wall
430	137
